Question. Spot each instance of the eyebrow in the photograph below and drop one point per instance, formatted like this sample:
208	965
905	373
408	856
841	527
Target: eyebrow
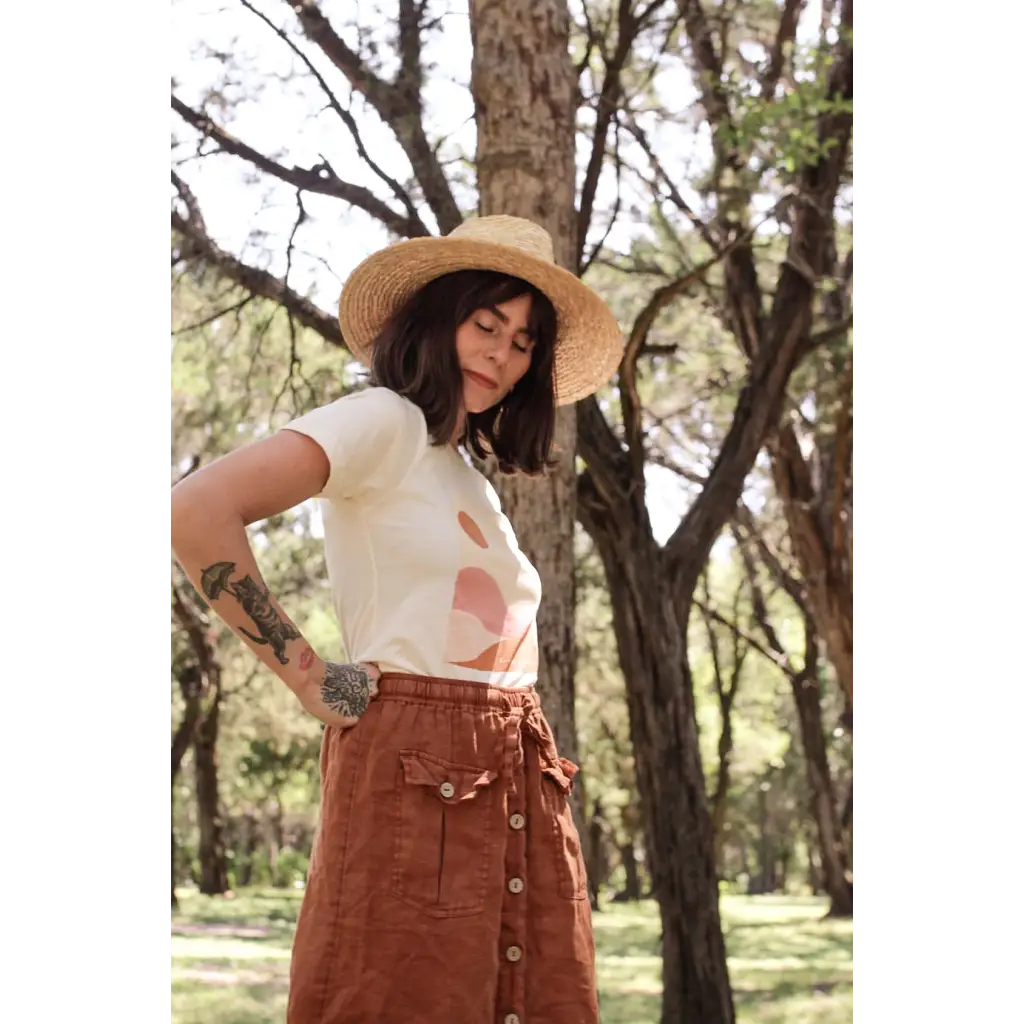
504	319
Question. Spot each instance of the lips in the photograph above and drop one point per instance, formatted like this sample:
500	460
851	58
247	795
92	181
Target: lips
484	382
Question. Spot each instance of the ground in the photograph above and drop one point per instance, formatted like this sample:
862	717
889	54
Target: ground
787	964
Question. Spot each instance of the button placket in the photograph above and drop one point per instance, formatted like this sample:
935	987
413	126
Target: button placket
512	991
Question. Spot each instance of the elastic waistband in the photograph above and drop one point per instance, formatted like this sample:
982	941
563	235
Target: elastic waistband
455	692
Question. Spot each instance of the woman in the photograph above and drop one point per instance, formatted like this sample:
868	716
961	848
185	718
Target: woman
446	882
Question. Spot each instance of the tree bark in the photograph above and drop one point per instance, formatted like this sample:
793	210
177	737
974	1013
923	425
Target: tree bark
213	876
172	896
632	887
820	547
524	91
765	848
726	692
190	681
835	875
846	821
834	865
199	679
670	777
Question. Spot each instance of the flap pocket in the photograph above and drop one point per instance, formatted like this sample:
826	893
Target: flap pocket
451	782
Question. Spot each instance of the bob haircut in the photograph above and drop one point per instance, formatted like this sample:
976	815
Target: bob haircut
414	355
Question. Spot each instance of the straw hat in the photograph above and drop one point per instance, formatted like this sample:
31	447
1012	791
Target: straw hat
589	344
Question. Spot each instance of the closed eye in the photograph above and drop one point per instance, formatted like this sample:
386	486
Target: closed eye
486	330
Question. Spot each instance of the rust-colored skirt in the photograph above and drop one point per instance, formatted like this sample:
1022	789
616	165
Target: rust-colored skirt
446	884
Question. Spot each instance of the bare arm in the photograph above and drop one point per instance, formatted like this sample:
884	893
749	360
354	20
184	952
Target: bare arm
210	510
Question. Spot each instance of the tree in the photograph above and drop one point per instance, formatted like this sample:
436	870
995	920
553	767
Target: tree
727	682
525	163
806	686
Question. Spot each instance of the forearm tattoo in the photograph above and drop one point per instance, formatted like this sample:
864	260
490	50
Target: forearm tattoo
256	603
347	689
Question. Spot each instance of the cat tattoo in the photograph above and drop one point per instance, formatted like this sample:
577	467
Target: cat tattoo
255	601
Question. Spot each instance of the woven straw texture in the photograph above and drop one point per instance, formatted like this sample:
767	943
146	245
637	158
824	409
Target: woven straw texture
589	344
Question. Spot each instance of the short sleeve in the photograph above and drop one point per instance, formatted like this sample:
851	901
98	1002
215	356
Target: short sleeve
371	438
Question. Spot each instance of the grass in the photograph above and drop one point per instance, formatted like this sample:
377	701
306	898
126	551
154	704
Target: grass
788	966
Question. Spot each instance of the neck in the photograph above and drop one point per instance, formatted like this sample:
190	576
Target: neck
460	427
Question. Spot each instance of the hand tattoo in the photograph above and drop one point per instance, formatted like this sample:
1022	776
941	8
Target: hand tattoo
347	689
256	603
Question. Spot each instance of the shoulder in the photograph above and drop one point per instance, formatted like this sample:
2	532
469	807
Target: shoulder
373	411
381	402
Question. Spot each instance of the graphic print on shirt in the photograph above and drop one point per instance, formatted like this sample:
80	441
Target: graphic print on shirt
486	632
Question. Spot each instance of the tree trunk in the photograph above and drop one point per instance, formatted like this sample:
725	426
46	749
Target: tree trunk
820	553
670	776
813	871
784	859
524	91
213	878
834	866
192	681
632	888
275	834
597	865
846	821
766	847
726	692
172	896
199	677
249	843
720	798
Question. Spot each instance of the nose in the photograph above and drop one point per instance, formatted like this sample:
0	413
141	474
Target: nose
500	351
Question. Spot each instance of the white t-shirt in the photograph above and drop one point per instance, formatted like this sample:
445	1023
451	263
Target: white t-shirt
426	574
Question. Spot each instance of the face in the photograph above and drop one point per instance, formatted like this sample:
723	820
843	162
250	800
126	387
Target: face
494	349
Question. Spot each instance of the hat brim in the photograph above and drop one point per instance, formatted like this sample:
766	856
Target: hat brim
589	345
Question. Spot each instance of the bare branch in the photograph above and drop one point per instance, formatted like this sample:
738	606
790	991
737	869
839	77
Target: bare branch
628	395
746	523
828	333
783	38
235	308
661	175
708	61
199	246
320	179
617	206
347	119
779	661
398	103
761	611
189	199
629	25
592	41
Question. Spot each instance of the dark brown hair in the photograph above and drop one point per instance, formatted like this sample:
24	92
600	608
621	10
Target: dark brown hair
414	355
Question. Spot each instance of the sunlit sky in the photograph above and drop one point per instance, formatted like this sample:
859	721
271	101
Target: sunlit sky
334	239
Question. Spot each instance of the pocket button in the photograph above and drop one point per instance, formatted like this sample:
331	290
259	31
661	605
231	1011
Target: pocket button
447	790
